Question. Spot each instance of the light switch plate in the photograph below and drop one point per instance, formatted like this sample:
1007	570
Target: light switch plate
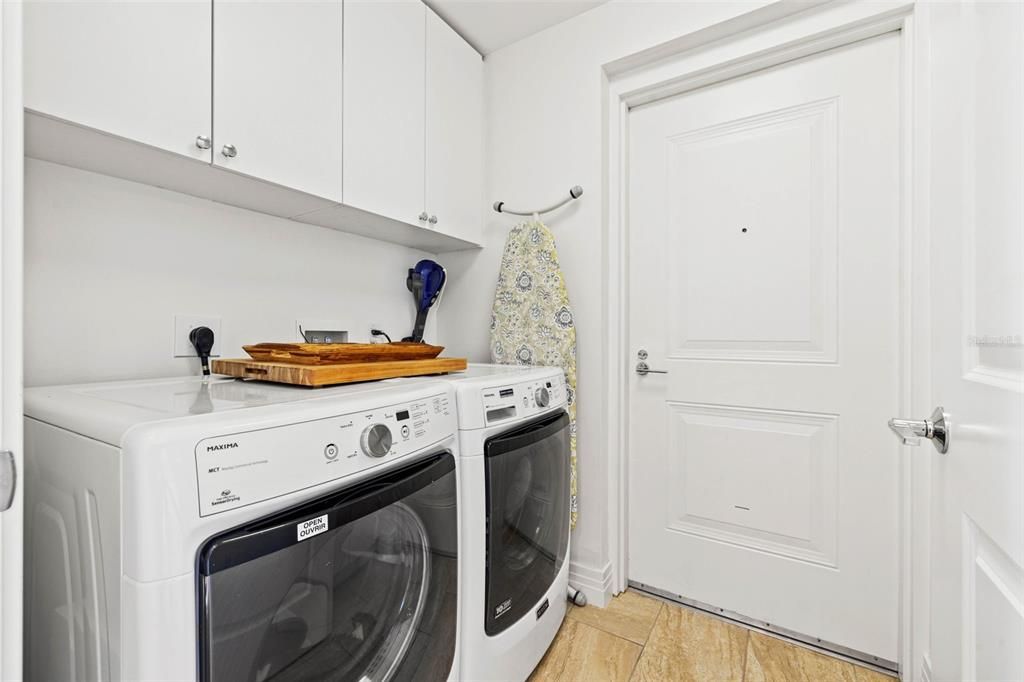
183	324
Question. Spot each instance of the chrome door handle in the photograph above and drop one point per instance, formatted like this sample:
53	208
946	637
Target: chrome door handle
423	217
433	220
203	142
643	369
8	479
229	151
936	429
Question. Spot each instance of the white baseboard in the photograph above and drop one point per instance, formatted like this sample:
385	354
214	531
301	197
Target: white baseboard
593	581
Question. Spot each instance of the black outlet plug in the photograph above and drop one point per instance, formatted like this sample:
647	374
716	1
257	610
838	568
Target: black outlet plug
202	340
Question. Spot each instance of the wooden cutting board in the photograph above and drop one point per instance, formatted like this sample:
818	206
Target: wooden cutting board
335	353
329	375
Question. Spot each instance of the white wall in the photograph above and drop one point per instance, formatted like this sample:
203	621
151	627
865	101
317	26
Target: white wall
108	263
544	133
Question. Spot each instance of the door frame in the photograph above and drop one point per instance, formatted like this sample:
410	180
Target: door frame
12	163
761	39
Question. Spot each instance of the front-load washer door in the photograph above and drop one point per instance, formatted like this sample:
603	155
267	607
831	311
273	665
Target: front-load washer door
357	585
527	477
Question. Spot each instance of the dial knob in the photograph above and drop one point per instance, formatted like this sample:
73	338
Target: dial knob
376	440
542	397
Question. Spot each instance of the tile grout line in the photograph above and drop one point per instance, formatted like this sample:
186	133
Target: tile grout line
565	661
643	647
604	629
747	646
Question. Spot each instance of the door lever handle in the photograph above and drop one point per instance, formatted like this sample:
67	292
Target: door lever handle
643	369
8	479
936	429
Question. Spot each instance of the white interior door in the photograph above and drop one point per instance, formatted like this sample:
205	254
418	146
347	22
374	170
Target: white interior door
277	92
976	213
11	165
764	278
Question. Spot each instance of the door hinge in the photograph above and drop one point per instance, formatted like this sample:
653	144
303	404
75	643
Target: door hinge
8	479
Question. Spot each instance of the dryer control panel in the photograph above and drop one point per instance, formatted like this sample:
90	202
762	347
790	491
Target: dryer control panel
522	400
239	469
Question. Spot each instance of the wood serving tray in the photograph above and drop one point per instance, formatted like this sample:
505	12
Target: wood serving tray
340	373
335	353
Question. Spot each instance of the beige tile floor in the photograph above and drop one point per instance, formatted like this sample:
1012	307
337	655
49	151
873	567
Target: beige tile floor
641	639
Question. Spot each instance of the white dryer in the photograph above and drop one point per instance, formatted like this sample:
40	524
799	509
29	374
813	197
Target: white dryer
216	530
514	452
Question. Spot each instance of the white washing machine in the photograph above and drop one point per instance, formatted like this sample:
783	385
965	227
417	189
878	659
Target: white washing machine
220	530
514	451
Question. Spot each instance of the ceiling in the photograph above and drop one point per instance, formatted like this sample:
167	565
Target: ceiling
489	25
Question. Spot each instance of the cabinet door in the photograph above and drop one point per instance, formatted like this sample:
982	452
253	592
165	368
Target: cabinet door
277	96
454	131
140	70
384	108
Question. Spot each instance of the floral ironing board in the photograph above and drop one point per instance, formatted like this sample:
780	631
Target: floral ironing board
532	320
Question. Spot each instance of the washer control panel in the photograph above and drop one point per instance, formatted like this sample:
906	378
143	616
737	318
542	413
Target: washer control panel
239	469
524	399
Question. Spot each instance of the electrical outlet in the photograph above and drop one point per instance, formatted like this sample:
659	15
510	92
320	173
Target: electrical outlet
184	324
321	331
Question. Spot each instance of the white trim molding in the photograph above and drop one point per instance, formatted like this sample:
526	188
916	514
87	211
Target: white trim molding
12	162
710	56
593	581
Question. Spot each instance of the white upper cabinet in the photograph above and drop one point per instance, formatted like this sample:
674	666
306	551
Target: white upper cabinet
140	70
324	111
384	107
277	92
454	181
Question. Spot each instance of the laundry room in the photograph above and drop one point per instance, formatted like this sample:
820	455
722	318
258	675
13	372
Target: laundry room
548	340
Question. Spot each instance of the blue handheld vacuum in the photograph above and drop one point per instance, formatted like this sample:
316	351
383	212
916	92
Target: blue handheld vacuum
426	280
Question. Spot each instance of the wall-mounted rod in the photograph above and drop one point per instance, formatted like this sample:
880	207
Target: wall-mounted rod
575	193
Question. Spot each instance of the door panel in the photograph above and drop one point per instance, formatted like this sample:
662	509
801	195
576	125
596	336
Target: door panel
764	278
786	235
278	92
385	43
976	213
140	70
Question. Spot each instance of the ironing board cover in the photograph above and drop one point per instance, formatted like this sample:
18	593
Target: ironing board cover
532	321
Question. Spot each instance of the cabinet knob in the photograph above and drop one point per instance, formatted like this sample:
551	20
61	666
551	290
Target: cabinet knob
423	216
229	151
203	142
433	220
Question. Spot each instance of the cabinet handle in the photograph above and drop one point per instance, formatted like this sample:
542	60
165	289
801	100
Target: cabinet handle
229	151
423	216
433	220
203	142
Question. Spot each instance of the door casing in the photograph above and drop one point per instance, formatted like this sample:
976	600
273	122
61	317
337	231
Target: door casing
752	42
12	163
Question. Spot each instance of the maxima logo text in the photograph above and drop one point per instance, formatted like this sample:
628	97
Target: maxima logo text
221	446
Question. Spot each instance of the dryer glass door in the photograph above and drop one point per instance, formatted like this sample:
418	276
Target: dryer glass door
527	474
357	585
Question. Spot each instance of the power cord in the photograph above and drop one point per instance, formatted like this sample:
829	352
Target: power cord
202	341
380	332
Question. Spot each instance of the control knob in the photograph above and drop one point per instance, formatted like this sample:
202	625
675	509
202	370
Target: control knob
542	397
376	440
